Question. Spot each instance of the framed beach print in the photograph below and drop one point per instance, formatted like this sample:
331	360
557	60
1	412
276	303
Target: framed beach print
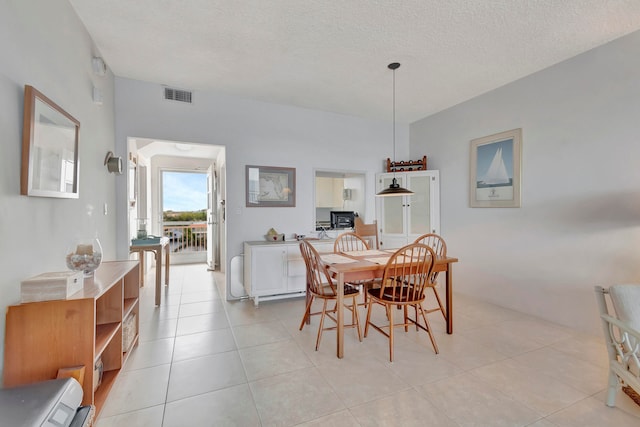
269	186
494	173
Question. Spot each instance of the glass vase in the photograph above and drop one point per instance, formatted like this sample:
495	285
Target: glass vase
85	255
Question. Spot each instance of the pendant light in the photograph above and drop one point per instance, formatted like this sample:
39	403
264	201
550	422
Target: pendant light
394	189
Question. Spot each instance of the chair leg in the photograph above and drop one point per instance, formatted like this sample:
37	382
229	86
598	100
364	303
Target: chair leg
366	325
406	323
390	315
324	310
612	389
439	302
428	326
307	313
357	321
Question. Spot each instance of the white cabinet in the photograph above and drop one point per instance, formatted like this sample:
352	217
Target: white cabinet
276	270
329	192
402	219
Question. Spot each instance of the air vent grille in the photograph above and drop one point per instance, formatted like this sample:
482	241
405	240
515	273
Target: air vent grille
177	95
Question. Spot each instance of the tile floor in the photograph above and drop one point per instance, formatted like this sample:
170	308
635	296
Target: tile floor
203	361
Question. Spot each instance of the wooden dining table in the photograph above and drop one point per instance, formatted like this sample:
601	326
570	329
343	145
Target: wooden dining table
367	265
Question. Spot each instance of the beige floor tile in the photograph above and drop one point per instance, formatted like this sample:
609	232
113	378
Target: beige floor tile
204	374
231	406
533	388
204	307
367	380
503	340
339	419
150	313
151	331
150	353
148	417
260	333
585	347
139	389
593	413
201	296
245	313
273	359
406	408
294	398
471	402
201	323
202	344
581	375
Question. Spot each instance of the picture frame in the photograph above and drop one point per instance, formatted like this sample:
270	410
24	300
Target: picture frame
50	136
495	170
270	186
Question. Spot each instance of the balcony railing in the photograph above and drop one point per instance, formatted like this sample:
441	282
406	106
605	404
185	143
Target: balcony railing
186	236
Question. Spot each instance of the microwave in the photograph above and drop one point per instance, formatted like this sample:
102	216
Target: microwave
342	219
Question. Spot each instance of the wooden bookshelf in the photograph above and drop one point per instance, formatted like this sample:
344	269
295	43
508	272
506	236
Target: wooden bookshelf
42	337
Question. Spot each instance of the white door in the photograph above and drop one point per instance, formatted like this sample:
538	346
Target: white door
212	220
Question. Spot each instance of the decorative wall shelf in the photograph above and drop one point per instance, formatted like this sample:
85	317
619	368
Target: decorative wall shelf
407	165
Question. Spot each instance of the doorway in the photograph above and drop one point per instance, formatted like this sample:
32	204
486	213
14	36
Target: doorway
167	171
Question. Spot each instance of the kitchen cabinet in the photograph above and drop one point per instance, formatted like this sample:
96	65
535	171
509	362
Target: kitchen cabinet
402	219
276	270
329	192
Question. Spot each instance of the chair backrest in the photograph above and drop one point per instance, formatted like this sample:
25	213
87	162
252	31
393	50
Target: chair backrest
367	231
435	242
318	279
407	273
347	242
439	247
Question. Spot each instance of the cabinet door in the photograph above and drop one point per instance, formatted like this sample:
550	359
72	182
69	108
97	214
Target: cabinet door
391	217
422	208
402	219
268	270
296	270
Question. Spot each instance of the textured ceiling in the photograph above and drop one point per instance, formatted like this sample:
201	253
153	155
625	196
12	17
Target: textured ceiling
332	55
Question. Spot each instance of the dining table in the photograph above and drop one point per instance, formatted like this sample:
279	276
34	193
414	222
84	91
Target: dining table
369	264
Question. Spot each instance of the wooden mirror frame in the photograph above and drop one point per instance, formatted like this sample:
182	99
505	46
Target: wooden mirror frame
50	165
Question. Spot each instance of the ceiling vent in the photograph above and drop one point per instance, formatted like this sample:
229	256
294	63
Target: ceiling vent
177	95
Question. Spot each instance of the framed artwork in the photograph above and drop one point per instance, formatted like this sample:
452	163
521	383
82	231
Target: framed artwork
269	186
50	166
494	172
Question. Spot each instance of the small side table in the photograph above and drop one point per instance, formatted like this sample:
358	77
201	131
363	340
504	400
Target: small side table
157	249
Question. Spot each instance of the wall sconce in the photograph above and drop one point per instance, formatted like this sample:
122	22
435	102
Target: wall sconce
113	163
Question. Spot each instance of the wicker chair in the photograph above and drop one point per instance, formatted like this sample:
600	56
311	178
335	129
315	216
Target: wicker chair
621	328
439	247
320	285
406	276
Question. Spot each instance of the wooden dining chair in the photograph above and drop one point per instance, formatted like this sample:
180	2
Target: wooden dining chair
405	279
320	285
348	242
439	247
369	232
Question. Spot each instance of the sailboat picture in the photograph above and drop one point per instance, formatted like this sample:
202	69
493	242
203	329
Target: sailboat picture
495	170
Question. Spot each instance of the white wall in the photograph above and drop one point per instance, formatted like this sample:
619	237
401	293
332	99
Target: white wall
44	44
258	133
579	221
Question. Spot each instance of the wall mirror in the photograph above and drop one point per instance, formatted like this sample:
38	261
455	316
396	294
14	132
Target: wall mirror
337	190
49	148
